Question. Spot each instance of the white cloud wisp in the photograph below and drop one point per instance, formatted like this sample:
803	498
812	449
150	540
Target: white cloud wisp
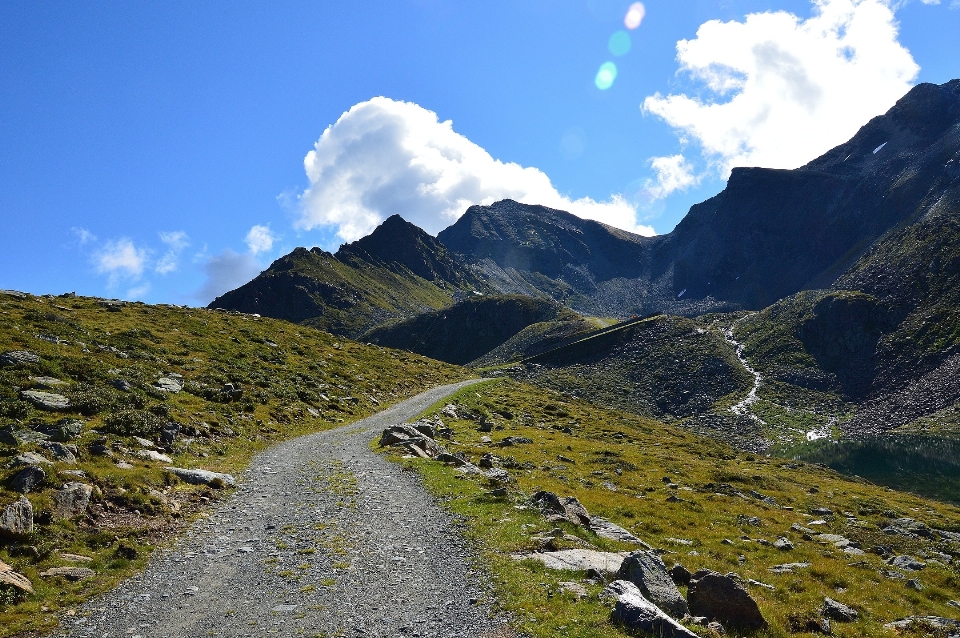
120	259
260	239
384	157
176	241
783	90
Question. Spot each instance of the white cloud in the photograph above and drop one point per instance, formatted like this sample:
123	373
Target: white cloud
227	271
674	173
138	292
384	157
84	236
260	239
120	259
176	241
782	90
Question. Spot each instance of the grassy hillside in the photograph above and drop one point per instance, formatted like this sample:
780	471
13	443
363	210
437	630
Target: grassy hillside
663	367
463	332
710	516
108	358
538	338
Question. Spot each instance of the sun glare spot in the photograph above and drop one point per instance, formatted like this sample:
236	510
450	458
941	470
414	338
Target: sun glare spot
635	15
619	43
606	75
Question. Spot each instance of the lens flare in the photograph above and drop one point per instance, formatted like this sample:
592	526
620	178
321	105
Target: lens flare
606	75
619	43
635	15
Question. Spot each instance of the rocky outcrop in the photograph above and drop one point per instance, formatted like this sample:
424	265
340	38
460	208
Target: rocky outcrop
71	500
723	598
561	508
16	520
11	578
646	570
637	613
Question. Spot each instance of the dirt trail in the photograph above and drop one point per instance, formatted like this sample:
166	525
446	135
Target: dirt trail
323	537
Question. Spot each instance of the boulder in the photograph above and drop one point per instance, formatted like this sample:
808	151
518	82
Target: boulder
637	613
514	440
787	568
60	452
783	543
398	434
48	382
17	436
152	455
201	477
932	623
46	400
17	518
169	384
680	575
18	357
646	570
29	458
71	500
838	611
27	479
62	431
13	579
722	598
578	560
907	562
605	529
70	573
556	508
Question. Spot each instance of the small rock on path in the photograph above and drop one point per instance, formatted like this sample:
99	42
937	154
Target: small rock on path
322	536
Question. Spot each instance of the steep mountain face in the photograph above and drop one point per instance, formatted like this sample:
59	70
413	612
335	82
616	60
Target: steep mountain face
771	233
397	271
465	331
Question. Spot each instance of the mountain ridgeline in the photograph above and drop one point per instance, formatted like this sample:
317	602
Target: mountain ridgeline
827	292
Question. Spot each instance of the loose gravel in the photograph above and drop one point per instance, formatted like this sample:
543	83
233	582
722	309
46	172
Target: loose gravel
322	537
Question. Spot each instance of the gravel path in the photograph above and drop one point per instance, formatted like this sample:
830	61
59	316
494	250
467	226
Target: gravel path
322	538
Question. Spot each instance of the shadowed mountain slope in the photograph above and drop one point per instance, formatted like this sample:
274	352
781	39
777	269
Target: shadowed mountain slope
467	330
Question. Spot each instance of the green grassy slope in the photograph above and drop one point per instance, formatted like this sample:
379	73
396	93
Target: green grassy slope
463	332
294	380
615	464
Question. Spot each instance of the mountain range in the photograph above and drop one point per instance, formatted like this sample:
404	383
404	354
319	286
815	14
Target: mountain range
830	289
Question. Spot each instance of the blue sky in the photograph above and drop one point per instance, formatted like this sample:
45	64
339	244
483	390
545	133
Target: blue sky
156	150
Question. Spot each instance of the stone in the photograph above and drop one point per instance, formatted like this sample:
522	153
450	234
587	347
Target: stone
680	575
29	458
914	584
487	460
18	357
716	628
821	511
17	518
48	382
838	611
783	544
98	448
60	452
399	434
646	570
27	479
14	579
514	440
71	500
723	598
605	529
74	558
17	436
556	508
637	613
152	455
578	560
169	384
70	573
144	443
914	527
46	400
122	385
907	562
934	623
62	431
450	459
201	477
787	568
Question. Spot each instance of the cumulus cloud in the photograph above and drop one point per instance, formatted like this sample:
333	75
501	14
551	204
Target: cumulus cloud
260	239
384	157
227	271
176	241
674	173
120	259
781	90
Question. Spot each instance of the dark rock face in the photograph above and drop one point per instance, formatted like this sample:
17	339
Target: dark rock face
561	508
634	611
722	598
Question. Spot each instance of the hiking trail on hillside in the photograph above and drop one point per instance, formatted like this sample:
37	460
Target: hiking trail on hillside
323	537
